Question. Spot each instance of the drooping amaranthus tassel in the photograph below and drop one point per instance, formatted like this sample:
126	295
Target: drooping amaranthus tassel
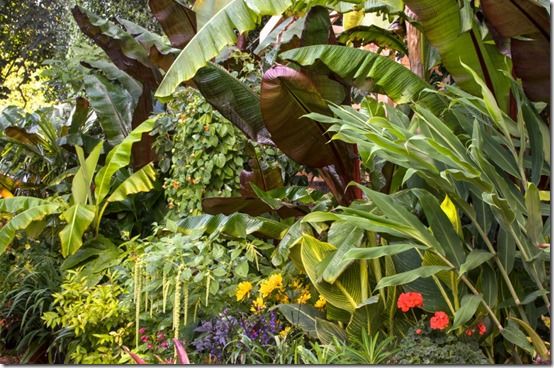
186	305
136	279
165	288
176	303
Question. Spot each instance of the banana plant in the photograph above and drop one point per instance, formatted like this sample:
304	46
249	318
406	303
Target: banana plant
87	202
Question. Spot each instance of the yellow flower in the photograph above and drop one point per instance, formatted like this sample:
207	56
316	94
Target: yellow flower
320	302
296	284
272	283
283	298
243	289
257	305
284	332
304	297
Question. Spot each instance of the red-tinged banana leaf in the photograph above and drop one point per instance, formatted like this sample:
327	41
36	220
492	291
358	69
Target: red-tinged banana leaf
131	57
250	206
178	22
270	179
287	95
528	26
441	24
124	51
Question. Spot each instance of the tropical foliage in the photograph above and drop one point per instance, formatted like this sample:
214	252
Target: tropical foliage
284	182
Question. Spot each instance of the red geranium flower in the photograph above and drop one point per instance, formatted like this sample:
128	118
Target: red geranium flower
419	331
439	321
482	328
406	301
469	332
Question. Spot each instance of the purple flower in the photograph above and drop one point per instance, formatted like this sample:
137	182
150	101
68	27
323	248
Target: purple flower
142	331
144	338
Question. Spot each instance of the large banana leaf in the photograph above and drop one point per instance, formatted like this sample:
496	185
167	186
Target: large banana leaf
287	95
442	25
234	100
125	52
230	205
22	220
131	57
218	32
117	158
113	106
178	22
366	70
530	55
78	218
140	181
114	74
20	203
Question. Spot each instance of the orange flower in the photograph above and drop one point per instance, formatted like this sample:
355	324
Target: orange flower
406	301
439	321
482	328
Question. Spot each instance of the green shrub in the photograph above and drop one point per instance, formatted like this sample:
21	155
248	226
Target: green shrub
90	322
437	348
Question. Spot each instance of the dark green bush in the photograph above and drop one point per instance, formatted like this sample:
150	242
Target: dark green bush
437	348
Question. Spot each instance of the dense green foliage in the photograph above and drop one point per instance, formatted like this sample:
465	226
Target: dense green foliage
282	182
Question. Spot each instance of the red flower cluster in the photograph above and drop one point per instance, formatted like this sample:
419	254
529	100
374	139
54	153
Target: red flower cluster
406	301
480	327
439	321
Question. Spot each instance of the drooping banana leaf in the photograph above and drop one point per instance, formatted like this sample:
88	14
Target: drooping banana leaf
366	70
287	95
218	32
131	57
234	100
178	22
140	181
113	106
114	74
530	53
441	24
125	52
22	220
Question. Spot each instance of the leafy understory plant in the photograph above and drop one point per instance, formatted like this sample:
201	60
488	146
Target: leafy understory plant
85	206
